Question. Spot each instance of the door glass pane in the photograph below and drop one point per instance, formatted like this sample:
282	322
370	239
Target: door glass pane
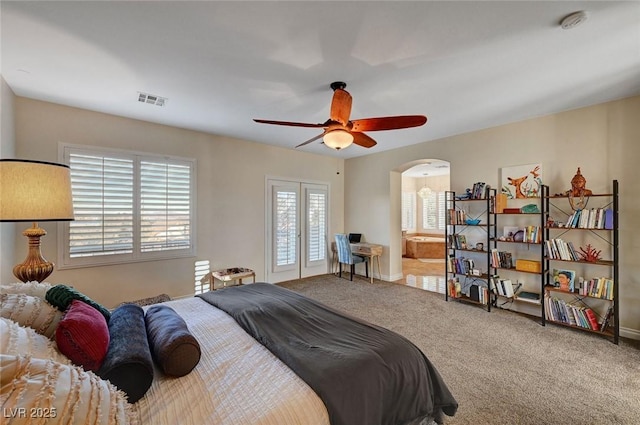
285	227
316	226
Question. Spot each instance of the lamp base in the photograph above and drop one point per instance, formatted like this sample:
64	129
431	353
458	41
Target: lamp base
34	267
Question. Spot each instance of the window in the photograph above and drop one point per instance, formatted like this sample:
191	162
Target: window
316	225
286	208
408	210
433	211
128	207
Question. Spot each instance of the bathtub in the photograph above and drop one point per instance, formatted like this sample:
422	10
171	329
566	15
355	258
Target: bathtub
425	247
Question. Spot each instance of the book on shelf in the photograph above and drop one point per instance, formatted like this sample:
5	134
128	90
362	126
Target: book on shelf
512	211
557	249
608	219
455	290
600	287
606	319
558	310
532	297
461	265
593	218
532	234
593	320
457	216
507	287
500	203
480	190
458	241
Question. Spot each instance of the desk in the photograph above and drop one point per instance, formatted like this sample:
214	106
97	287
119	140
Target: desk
362	249
372	251
228	275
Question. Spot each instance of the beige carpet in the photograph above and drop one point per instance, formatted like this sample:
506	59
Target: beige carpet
502	368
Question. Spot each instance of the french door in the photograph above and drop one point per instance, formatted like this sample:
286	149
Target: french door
297	225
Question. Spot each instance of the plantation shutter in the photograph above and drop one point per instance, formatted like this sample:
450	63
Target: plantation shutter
102	188
408	210
286	231
316	225
128	207
433	210
165	206
441	210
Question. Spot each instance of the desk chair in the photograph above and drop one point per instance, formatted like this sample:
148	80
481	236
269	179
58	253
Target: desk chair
346	257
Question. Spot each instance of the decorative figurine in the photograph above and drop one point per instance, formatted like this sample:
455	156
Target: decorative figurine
579	191
589	254
578	183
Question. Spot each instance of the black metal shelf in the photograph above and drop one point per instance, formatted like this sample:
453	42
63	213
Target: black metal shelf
453	227
610	237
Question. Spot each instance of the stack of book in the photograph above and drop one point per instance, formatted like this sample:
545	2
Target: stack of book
501	259
502	287
594	218
532	234
456	216
461	265
600	287
480	190
557	249
458	241
559	310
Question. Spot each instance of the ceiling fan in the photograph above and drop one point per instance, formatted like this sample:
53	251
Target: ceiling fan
340	132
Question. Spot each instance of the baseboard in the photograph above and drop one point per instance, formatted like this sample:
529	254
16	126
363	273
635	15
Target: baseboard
630	333
393	278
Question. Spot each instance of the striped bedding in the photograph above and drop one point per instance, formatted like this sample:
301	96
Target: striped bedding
237	380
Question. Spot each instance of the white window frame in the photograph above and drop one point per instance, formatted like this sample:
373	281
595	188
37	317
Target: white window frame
409	221
440	211
65	261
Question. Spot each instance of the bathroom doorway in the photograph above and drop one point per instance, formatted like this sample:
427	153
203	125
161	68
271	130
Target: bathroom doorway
423	224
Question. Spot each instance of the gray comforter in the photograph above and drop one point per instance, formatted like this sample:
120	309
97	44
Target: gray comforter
365	374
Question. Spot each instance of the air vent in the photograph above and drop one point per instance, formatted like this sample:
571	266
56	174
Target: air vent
151	99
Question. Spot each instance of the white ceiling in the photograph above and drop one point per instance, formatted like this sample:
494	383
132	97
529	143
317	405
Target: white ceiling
465	65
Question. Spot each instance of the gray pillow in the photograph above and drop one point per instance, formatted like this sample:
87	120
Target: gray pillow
175	350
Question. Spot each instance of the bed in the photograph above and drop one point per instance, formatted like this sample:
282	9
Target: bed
237	380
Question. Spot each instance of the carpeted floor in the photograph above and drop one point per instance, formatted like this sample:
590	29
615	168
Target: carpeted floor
502	368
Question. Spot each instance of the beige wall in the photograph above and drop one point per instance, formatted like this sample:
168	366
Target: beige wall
602	140
230	195
7	149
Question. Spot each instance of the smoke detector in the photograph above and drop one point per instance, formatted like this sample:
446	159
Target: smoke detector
573	20
151	99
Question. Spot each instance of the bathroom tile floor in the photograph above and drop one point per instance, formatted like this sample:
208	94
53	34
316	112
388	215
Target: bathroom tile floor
424	274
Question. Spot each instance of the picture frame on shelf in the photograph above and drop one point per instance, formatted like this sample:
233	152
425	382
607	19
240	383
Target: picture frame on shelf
564	279
509	232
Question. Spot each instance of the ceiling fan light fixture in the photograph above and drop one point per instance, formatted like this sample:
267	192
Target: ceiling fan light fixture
338	139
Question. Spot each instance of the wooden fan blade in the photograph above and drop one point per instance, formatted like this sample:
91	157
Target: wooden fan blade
292	124
341	106
363	140
311	140
389	123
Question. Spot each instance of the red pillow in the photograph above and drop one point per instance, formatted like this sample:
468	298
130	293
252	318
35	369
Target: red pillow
83	335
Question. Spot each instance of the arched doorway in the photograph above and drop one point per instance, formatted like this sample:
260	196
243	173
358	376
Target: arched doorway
423	184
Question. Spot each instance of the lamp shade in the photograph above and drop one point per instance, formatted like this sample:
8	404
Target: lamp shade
338	139
35	191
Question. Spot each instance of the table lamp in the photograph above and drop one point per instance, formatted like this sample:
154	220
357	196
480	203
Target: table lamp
34	191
